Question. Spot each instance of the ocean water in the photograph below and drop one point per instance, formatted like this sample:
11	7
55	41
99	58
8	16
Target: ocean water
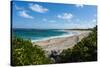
38	35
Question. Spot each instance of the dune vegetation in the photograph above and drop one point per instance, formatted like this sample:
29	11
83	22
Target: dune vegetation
83	51
24	53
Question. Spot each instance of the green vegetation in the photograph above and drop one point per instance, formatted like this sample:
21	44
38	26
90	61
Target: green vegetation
85	50
24	53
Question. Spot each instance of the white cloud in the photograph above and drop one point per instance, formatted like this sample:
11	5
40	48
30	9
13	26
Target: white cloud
95	16
94	20
18	8
79	5
65	16
25	15
38	8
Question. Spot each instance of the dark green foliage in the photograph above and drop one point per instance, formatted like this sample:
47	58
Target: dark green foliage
66	55
85	50
24	53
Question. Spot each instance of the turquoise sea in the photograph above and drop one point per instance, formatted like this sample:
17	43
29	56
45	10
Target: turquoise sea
39	34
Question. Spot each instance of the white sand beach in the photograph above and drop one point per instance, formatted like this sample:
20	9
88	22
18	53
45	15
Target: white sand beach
58	44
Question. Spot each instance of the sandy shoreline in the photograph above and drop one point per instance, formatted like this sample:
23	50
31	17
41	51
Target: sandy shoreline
58	44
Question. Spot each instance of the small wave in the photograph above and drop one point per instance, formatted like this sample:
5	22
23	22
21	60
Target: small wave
53	37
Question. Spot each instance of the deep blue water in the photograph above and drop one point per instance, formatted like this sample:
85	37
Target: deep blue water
37	34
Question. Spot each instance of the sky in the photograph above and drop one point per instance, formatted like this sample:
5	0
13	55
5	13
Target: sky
39	15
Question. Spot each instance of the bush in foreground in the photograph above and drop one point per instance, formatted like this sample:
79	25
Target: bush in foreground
24	53
85	50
